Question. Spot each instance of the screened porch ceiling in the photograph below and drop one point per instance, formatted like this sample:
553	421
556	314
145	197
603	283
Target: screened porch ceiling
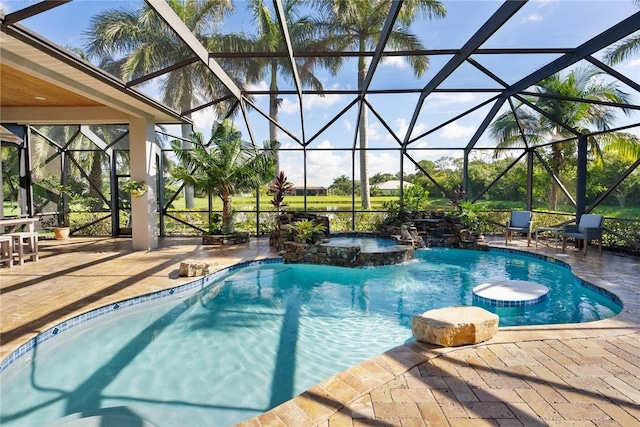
484	57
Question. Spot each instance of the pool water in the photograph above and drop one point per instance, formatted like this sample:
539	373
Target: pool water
367	244
260	335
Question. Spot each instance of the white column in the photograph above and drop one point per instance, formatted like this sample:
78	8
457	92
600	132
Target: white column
143	168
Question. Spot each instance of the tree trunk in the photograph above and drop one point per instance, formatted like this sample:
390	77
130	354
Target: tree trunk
556	166
227	214
273	113
189	194
187	132
362	130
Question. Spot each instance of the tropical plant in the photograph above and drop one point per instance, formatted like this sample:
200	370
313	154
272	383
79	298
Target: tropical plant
415	198
470	217
397	214
50	189
215	224
10	158
382	177
135	187
280	188
144	44
357	25
457	197
306	230
225	166
342	186
525	126
304	34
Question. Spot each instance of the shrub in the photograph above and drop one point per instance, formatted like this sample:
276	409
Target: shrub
306	230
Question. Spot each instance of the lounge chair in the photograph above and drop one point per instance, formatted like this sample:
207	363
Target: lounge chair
520	221
589	228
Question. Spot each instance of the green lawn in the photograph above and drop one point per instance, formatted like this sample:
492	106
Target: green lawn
343	203
319	203
10	209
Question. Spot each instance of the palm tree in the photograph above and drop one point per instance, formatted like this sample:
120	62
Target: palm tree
145	44
625	49
304	33
357	25
225	166
579	83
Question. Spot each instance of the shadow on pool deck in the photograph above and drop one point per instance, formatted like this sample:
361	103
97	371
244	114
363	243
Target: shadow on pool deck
541	375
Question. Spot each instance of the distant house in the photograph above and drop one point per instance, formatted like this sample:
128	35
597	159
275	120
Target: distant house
391	188
313	189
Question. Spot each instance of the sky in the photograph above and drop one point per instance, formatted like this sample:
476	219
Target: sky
544	23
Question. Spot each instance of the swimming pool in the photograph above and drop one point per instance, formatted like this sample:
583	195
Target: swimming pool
258	336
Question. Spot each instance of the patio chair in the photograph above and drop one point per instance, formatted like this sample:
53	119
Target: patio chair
589	228
520	221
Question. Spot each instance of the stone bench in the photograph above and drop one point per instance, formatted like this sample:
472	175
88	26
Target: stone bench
454	326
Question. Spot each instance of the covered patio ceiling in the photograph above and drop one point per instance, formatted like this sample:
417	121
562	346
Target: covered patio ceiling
43	83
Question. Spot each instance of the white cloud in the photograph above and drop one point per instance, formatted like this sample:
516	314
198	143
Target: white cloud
532	17
346	124
454	131
395	62
432	155
261	85
325	165
289	106
633	64
375	132
4	7
203	120
310	102
402	126
383	162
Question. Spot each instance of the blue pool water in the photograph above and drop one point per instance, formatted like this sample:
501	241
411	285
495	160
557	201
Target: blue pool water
260	335
367	244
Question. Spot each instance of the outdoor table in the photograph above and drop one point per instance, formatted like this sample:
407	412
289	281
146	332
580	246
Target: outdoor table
555	230
11	225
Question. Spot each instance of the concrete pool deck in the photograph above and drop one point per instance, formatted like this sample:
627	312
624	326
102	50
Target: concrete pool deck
578	374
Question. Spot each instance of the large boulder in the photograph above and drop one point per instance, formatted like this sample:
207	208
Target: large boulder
454	326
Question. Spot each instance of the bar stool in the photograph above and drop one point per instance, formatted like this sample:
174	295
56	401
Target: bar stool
6	250
25	245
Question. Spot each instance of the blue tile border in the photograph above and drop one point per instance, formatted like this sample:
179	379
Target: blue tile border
502	303
90	315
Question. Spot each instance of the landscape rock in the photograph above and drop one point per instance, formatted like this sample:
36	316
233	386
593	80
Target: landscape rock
194	268
455	326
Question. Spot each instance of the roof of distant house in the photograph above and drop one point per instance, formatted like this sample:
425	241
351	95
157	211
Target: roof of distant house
392	185
310	185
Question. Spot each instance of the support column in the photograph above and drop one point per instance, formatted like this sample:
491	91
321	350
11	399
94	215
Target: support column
581	179
465	174
529	204
143	168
